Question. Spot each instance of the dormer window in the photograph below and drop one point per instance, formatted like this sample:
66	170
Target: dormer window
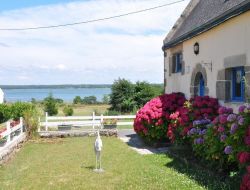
177	63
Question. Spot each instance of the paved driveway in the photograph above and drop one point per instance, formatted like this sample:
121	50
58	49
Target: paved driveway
129	137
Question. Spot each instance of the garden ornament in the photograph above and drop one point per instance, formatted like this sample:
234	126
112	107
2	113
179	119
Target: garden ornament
98	149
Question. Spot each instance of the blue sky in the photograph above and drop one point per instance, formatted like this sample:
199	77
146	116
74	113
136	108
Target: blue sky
128	47
20	4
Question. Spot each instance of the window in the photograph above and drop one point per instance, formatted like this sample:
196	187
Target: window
201	86
238	84
177	63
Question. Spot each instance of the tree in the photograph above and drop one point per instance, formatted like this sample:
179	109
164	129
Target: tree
106	99
143	92
121	96
50	105
89	100
77	100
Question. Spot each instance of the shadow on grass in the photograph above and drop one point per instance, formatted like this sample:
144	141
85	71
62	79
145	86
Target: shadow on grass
208	178
88	167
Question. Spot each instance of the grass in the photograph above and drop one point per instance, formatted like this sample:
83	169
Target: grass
68	164
87	110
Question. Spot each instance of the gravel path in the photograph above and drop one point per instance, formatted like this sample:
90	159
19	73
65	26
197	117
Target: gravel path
129	137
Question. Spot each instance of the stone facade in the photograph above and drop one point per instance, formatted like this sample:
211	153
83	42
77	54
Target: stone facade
222	49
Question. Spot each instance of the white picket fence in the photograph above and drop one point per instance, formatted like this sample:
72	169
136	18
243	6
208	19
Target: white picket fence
11	134
82	121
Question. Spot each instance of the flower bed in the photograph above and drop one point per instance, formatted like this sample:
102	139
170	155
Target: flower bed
151	122
217	135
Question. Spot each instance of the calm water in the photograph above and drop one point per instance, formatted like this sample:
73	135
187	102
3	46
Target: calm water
67	94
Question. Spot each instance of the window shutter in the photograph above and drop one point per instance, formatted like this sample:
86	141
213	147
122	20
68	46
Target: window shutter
170	65
174	64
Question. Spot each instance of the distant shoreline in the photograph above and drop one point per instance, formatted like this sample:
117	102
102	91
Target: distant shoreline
56	86
60	86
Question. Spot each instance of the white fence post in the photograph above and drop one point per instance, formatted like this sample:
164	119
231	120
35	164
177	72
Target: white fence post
39	124
46	121
21	124
93	120
8	131
102	121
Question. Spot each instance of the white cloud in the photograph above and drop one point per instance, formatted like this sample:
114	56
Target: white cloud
100	52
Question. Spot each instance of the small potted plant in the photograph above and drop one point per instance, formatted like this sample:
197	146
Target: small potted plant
109	123
64	127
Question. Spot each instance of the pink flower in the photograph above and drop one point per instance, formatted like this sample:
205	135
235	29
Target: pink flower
247	140
223	119
221	129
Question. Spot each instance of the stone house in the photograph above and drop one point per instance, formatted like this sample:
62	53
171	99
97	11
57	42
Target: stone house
207	52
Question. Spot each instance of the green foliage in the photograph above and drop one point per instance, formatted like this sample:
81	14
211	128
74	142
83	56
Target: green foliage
50	105
5	113
68	111
77	100
127	97
106	99
111	112
89	100
31	120
17	109
121	96
143	92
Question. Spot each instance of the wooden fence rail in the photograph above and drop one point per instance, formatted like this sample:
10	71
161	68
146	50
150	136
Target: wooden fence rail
11	134
81	121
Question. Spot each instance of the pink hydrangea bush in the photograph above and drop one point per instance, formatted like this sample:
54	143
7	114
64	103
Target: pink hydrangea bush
198	108
152	120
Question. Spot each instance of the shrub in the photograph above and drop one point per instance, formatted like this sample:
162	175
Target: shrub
152	120
77	100
17	109
89	100
198	108
112	112
5	113
31	121
50	105
68	111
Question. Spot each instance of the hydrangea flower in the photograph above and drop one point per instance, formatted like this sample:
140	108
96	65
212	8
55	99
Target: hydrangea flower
203	132
241	121
231	117
223	138
228	150
223	119
242	108
234	127
199	141
247	140
193	131
201	122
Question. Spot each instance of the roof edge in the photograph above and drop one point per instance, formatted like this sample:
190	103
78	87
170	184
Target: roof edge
237	10
191	5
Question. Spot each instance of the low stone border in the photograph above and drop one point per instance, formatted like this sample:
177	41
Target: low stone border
7	152
63	134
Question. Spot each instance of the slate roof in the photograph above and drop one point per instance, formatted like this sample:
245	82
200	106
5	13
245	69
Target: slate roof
205	15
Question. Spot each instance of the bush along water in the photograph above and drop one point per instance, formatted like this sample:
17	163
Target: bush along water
217	136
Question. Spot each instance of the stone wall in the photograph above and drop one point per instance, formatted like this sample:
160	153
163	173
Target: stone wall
7	152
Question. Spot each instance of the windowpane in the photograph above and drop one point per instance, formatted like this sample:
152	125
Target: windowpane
237	84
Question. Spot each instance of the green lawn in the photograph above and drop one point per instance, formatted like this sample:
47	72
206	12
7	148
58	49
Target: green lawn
68	164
